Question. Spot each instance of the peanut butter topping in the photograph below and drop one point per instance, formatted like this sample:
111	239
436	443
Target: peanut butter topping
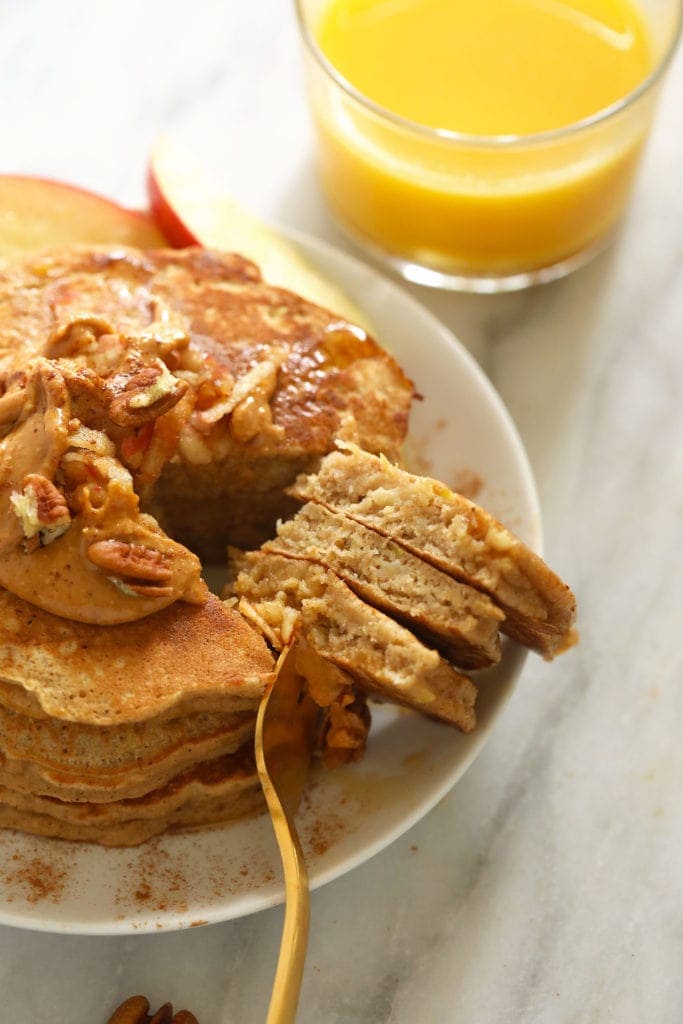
122	375
34	416
75	428
42	509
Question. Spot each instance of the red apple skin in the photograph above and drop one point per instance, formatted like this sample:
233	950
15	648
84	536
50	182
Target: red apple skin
173	228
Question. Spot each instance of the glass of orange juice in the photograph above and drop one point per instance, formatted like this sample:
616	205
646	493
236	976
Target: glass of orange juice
483	145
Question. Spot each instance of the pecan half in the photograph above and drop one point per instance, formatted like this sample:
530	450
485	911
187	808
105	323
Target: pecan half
164	1015
143	393
132	1011
51	503
42	509
89	399
136	1011
135	569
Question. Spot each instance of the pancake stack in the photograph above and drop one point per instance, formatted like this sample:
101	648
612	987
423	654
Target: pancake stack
154	406
402	585
115	735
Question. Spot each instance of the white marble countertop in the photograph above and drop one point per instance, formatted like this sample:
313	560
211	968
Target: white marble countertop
548	886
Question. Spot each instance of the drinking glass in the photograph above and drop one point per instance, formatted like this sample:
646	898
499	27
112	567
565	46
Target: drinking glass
479	213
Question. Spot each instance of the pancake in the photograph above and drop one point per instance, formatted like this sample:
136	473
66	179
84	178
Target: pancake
90	764
214	793
453	534
135	831
149	401
272	380
188	658
378	653
215	780
458	620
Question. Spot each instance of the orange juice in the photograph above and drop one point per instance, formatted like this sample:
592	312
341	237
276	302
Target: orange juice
458	161
488	67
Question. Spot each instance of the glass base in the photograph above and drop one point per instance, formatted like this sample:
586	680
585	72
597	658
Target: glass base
481	284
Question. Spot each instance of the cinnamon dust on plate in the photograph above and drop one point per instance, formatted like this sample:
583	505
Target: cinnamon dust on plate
320	832
35	878
154	880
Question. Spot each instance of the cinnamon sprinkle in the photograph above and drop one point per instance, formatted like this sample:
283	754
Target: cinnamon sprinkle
36	879
153	881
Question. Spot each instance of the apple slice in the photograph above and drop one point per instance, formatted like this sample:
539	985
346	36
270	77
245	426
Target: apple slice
191	209
36	213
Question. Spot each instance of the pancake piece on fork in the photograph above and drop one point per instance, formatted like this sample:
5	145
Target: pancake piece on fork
455	618
452	533
379	655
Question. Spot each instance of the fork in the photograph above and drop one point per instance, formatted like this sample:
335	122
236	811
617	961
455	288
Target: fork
285	735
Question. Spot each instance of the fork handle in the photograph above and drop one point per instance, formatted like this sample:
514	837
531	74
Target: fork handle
284	999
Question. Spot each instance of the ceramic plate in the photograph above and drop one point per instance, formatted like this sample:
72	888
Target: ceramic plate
461	433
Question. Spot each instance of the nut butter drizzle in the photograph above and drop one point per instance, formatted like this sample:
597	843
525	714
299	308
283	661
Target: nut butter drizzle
73	539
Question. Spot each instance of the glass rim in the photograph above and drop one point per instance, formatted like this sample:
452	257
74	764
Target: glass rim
447	135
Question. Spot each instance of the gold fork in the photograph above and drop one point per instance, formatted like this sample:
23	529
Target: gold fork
285	734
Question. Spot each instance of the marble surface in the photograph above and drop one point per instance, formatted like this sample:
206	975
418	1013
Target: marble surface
547	887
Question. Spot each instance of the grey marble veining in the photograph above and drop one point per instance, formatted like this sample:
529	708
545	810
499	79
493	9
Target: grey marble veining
547	888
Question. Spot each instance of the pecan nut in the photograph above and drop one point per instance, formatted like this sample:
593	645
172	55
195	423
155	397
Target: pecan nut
143	393
42	509
132	1011
50	502
135	569
136	1011
89	400
163	1015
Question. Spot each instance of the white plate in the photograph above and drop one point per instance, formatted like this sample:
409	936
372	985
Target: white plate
348	815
